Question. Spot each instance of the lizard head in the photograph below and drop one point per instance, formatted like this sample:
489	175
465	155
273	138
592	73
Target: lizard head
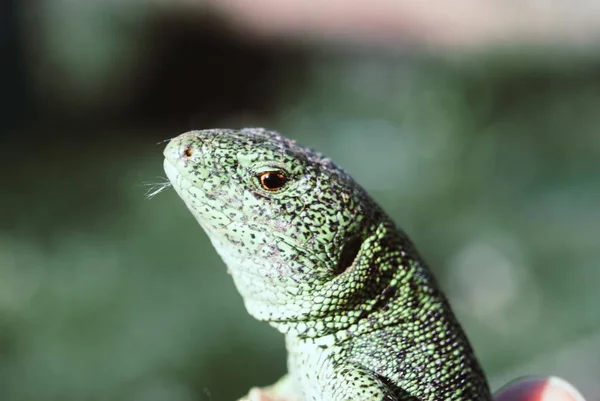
287	221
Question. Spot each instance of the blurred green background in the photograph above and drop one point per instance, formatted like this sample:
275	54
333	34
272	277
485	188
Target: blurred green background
487	158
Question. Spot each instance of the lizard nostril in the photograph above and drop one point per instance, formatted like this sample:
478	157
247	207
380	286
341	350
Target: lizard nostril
188	152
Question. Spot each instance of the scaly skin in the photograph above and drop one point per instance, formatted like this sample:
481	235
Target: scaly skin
315	257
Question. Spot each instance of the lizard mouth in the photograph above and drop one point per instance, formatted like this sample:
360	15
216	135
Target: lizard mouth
170	170
182	154
178	181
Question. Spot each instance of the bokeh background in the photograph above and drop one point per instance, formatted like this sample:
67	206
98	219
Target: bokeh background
474	123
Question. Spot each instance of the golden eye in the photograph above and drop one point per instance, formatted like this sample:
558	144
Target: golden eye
272	180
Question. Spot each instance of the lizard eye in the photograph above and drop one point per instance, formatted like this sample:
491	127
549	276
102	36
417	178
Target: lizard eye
273	180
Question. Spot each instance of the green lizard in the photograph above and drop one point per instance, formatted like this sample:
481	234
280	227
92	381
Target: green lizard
312	254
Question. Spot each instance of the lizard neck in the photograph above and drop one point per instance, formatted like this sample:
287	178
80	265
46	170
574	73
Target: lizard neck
386	284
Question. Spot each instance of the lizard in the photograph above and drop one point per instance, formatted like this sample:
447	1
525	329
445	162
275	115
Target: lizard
312	254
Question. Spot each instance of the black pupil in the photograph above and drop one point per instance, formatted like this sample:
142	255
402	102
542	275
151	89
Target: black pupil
273	180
